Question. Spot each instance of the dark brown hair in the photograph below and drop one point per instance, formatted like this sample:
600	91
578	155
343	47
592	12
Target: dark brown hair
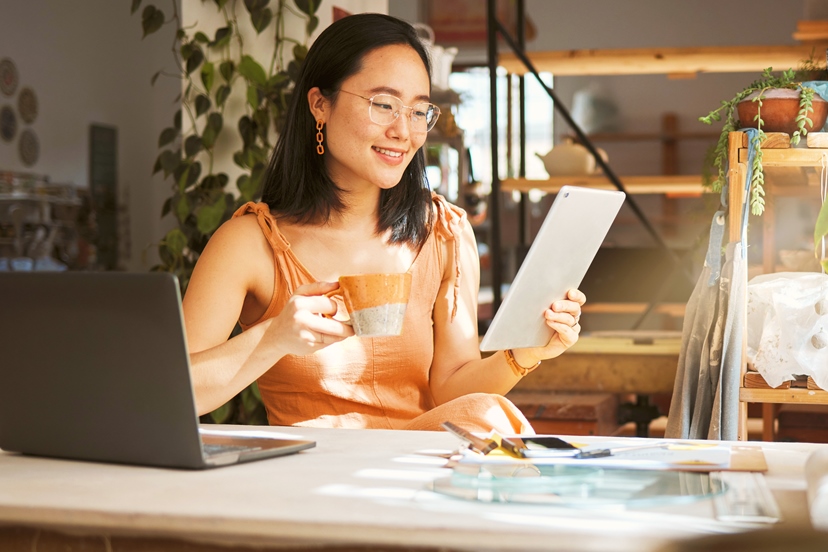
297	185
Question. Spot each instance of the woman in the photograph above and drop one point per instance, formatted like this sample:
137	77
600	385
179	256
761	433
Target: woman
345	193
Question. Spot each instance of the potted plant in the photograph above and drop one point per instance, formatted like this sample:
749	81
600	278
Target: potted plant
765	104
773	103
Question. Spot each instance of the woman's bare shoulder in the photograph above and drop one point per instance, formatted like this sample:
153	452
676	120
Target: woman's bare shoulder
239	227
239	240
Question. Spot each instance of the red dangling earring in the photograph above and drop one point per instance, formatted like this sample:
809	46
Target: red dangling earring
320	149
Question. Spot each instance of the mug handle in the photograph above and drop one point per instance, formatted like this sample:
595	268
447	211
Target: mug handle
337	293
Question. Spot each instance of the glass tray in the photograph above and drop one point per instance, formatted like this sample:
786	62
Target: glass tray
577	486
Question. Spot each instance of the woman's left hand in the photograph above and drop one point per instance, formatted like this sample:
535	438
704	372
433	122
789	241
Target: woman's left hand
563	316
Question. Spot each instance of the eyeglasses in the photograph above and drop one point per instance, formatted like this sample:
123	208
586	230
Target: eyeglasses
385	109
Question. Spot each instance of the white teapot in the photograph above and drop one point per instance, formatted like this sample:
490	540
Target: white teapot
441	58
569	159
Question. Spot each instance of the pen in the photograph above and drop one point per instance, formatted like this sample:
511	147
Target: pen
483	446
509	447
601	453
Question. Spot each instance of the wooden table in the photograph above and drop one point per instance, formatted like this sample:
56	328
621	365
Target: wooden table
359	489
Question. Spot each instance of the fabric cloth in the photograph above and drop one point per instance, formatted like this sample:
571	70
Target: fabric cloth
705	403
379	382
821	88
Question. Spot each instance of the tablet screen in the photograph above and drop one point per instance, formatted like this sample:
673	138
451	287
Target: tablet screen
560	255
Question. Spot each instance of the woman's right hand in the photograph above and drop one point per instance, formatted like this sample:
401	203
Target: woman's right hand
302	327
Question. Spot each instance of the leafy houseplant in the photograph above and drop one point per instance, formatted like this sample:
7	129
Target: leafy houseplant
759	89
218	74
804	122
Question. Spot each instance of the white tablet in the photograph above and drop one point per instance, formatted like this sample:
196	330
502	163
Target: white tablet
566	244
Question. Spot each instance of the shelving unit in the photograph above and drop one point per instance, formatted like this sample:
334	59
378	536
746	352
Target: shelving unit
669	138
776	153
668	184
447	135
672	62
34	216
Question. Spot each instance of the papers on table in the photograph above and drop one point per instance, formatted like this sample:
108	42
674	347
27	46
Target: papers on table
662	456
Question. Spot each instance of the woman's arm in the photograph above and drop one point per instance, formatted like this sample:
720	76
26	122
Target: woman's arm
235	275
457	368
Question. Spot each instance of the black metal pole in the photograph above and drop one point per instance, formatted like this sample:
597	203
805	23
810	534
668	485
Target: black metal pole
585	141
524	230
494	197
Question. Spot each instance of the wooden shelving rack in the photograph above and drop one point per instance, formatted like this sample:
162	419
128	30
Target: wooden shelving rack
776	152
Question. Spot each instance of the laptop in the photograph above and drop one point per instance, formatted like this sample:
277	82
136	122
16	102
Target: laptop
558	259
94	366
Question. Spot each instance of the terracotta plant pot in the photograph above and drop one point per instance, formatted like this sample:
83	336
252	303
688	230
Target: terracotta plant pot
779	109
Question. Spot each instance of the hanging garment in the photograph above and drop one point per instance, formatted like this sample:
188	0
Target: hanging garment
705	403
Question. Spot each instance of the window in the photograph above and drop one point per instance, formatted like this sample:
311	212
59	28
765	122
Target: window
473	116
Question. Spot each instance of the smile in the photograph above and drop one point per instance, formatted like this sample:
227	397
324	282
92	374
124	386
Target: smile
388	152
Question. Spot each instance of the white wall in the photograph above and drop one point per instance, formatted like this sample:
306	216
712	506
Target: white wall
87	64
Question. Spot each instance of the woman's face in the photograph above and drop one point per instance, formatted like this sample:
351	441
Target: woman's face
359	152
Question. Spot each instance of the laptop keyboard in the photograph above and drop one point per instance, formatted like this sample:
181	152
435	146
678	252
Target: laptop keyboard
212	450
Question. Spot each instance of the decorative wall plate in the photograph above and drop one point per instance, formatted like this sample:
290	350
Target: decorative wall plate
8	123
29	147
8	77
27	105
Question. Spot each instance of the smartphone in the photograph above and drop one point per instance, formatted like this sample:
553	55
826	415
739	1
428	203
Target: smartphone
539	446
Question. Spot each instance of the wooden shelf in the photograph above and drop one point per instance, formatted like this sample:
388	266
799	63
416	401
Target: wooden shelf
39	198
755	380
792	157
657	184
647	136
632	342
797	396
811	30
670	61
671	309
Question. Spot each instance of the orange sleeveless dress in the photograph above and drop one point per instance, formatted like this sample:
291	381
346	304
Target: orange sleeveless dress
379	382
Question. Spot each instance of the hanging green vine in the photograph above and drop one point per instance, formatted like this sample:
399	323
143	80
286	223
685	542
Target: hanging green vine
214	65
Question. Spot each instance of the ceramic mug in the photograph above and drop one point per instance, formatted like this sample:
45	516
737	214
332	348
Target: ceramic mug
376	303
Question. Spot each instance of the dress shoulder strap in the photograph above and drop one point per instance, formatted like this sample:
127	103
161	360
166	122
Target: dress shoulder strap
449	221
449	218
267	223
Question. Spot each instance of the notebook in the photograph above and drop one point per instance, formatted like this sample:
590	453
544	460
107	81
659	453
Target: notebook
95	367
560	255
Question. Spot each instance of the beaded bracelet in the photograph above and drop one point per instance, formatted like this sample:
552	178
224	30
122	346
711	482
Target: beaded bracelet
519	370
